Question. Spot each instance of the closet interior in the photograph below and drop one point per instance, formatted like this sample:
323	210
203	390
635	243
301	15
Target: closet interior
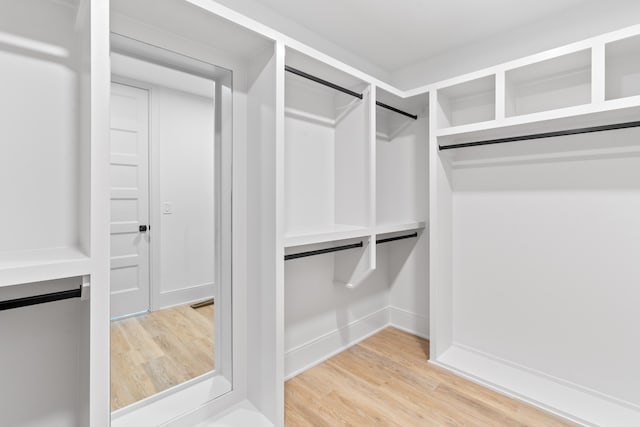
347	203
45	180
542	202
495	213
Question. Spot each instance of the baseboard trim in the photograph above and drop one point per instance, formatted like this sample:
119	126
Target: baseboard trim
573	403
413	323
184	296
318	350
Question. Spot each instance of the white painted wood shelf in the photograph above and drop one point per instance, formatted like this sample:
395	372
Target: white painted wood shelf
398	228
44	264
325	234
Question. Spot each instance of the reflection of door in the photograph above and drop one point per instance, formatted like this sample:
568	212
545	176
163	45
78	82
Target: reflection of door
129	200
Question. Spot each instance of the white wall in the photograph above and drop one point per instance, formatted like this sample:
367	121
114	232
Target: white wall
323	317
545	266
183	134
182	121
591	18
40	361
39	153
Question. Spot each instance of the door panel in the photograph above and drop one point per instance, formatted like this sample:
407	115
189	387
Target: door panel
129	200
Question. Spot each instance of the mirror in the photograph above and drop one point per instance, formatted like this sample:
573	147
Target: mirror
170	222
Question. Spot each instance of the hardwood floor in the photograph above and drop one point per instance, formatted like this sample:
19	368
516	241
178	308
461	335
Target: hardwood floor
385	381
155	351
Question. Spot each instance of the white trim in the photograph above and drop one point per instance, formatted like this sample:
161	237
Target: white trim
318	350
167	405
565	399
241	415
413	323
183	296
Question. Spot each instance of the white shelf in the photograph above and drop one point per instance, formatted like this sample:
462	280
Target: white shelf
396	228
44	264
548	85
324	235
468	102
610	112
623	68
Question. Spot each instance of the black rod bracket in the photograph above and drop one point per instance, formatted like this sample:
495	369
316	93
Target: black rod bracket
542	135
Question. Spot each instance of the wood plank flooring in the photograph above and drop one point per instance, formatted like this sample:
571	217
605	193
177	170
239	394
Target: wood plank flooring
155	351
385	381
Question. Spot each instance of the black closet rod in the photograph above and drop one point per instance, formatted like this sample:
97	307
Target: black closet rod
344	90
40	299
393	239
322	81
542	135
395	110
344	247
323	251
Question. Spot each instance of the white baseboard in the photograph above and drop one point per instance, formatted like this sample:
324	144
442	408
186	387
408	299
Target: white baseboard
316	351
241	415
184	296
415	324
575	403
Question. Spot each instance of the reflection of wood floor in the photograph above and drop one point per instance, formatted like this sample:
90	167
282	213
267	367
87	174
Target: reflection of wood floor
155	351
385	381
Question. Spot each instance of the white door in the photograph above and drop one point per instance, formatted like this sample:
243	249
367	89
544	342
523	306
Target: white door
129	200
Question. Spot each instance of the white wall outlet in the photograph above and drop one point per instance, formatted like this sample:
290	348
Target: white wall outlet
167	208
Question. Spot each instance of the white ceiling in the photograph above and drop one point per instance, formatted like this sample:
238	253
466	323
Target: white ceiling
394	34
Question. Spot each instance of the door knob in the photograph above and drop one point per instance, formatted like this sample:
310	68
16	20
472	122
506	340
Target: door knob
144	228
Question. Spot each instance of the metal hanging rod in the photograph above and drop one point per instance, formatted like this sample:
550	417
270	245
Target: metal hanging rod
344	90
322	81
322	251
393	239
40	299
542	135
344	247
395	110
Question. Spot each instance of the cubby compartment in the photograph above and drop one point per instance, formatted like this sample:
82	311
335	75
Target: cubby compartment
327	154
401	161
559	82
469	102
44	157
622	71
45	358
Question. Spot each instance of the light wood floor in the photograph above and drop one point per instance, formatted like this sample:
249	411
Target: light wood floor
385	381
155	351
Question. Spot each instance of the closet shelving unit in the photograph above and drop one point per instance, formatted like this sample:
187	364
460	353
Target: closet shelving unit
401	163
45	225
530	162
328	153
51	96
355	185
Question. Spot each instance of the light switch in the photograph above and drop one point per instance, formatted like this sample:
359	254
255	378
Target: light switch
167	208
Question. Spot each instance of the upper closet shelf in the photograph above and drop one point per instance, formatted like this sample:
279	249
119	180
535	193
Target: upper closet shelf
583	116
329	233
396	228
39	265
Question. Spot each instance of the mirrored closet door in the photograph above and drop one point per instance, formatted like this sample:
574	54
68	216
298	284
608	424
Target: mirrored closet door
170	224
